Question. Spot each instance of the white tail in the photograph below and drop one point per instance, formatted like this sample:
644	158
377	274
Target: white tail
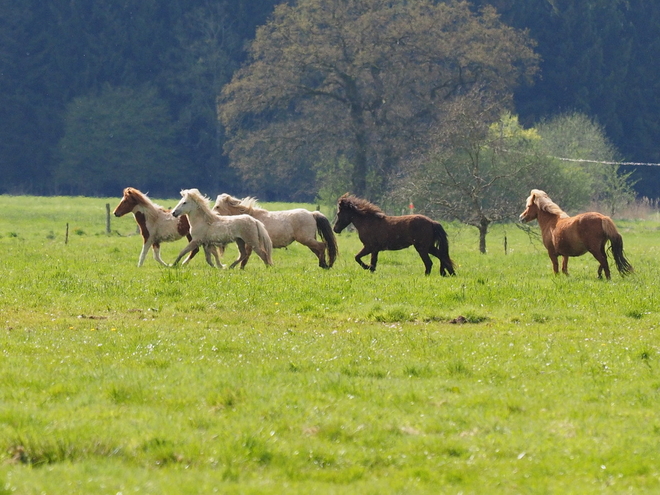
265	243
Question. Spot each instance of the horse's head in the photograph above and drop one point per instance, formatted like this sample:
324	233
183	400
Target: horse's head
531	207
221	206
187	204
345	212
127	203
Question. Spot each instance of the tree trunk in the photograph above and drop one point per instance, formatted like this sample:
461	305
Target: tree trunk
359	178
483	230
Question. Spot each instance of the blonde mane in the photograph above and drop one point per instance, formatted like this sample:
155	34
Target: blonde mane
544	203
245	206
201	201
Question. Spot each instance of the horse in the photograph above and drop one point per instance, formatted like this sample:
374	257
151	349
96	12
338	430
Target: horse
158	225
380	232
566	236
287	226
208	228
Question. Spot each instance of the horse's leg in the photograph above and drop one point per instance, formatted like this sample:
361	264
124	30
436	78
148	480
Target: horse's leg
444	267
374	260
215	251
192	253
209	249
243	254
428	264
358	257
601	257
156	248
555	262
564	265
248	252
145	249
191	245
318	248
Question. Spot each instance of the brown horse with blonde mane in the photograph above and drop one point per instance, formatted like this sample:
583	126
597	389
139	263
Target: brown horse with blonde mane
573	236
157	225
381	232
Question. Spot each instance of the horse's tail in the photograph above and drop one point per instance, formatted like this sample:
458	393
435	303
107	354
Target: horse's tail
616	244
442	245
327	235
265	242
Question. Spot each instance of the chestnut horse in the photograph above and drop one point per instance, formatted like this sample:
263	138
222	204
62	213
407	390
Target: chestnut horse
206	227
287	226
380	232
157	225
573	236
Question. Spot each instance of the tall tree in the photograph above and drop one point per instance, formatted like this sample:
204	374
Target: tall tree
363	79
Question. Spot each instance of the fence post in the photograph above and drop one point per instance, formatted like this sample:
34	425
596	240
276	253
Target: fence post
107	218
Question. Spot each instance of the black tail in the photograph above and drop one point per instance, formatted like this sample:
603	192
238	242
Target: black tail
616	244
327	235
442	245
622	264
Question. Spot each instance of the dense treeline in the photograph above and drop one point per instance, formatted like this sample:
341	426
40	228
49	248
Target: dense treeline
94	95
165	60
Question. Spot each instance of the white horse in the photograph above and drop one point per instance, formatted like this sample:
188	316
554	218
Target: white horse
158	225
286	226
208	228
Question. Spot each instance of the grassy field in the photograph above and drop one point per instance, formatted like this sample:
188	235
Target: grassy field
292	379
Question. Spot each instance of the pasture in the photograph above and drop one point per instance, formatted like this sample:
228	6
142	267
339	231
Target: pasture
294	379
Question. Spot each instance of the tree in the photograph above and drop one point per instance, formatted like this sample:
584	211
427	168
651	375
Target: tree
479	172
362	79
577	137
118	138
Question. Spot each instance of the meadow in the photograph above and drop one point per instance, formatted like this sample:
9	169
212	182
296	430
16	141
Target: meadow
293	379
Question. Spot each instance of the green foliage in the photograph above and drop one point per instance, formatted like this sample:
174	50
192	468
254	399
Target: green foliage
300	380
578	137
333	180
479	172
328	79
596	59
119	137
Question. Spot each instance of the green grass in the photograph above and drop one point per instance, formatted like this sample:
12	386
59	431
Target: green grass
293	379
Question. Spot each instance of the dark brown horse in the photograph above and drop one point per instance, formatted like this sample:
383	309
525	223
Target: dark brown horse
574	236
380	232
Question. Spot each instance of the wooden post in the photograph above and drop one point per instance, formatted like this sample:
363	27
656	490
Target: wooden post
107	218
66	236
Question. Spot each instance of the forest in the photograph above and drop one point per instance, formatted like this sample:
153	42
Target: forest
96	96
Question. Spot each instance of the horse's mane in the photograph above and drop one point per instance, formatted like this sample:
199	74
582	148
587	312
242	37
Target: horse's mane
141	198
246	205
543	202
360	206
201	201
